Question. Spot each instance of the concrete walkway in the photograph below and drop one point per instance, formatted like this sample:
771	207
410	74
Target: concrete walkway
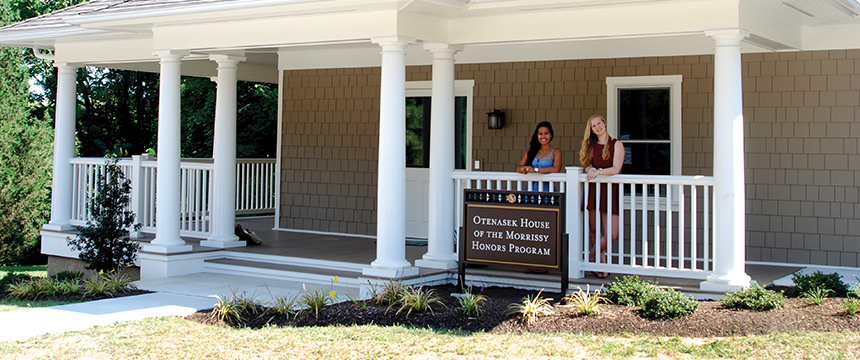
179	296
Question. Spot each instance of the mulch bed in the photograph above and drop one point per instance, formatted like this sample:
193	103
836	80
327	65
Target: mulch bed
709	320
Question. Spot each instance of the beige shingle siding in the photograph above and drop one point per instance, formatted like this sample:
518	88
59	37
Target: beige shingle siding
801	123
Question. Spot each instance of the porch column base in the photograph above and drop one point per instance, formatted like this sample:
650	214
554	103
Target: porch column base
436	263
390	272
223	244
166	249
58	227
726	282
159	266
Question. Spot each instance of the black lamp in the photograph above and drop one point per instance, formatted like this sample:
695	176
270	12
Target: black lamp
495	120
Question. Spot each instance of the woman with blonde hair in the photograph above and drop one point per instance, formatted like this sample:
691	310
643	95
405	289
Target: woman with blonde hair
600	154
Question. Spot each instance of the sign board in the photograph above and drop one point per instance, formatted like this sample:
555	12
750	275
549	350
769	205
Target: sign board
519	228
515	228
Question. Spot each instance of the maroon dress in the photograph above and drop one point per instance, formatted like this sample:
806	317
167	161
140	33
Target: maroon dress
598	162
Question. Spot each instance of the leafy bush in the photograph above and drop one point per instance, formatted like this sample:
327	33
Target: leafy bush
390	294
12	278
668	304
754	297
472	304
852	306
817	295
584	301
104	243
118	282
833	282
630	290
531	308
316	300
418	299
226	309
285	306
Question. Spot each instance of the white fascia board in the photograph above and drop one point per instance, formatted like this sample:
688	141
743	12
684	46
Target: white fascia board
353	57
271	32
648	19
696	44
831	37
101	51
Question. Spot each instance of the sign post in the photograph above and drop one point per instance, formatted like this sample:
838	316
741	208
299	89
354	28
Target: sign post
515	228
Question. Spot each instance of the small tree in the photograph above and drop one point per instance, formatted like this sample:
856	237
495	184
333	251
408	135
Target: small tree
104	243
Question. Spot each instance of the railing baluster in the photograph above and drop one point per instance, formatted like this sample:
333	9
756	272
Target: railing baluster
707	234
669	231
694	231
681	230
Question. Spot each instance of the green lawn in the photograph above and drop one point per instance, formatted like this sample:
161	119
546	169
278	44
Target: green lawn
173	337
33	270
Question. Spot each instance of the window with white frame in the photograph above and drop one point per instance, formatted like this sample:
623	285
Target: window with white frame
644	112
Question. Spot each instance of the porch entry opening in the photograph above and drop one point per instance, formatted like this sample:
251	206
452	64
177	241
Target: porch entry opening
418	158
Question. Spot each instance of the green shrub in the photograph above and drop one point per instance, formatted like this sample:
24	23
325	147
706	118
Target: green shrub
391	293
104	243
668	304
833	282
472	304
418	299
316	300
12	278
630	290
531	308
584	301
753	298
62	276
852	306
817	295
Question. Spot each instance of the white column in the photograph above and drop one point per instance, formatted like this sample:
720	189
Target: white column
729	197
64	149
167	204
224	151
440	242
391	187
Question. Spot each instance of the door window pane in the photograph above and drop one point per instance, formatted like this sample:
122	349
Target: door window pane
418	132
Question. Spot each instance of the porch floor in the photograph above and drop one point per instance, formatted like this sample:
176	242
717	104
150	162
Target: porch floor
362	251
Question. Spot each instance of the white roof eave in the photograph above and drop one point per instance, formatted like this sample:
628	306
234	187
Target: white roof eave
44	36
136	14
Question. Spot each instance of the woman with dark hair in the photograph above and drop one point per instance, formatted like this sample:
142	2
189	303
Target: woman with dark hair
600	154
541	158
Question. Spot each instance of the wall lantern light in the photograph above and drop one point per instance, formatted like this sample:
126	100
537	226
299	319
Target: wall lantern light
495	120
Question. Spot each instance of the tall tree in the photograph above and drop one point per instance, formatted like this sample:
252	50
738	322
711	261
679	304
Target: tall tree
25	148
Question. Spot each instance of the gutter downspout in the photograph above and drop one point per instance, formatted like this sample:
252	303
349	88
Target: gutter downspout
42	56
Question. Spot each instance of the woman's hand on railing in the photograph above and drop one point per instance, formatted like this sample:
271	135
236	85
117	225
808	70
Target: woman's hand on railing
592	174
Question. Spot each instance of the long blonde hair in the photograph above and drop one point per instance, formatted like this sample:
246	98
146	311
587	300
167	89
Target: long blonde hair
589	140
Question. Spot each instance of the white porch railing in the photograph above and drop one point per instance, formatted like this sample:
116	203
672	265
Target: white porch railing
255	190
666	222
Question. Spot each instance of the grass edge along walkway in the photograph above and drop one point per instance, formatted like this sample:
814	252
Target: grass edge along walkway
174	337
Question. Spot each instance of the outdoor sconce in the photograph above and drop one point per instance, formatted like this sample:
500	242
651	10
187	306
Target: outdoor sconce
495	120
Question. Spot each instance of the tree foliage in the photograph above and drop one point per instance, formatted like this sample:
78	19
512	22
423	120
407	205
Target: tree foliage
104	243
25	150
116	109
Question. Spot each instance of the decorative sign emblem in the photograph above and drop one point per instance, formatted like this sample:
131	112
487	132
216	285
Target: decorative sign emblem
512	198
